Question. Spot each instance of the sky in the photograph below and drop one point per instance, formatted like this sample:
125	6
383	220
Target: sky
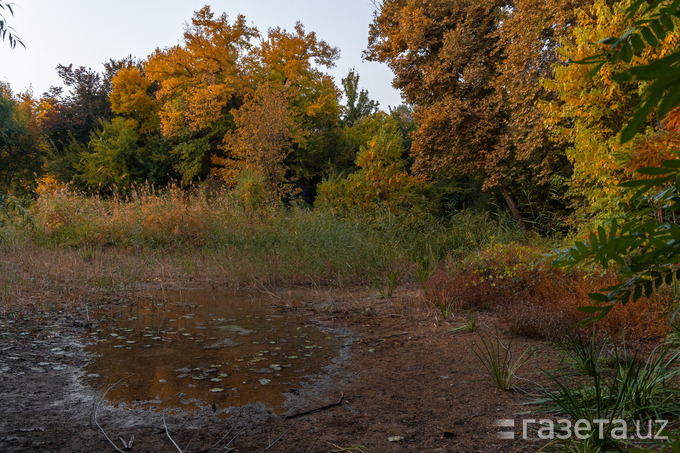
90	32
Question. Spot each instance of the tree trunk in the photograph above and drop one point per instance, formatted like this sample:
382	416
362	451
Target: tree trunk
514	208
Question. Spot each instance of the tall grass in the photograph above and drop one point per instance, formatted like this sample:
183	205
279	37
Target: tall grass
266	243
636	390
498	360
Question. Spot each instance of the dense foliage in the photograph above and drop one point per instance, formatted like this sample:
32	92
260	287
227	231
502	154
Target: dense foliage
496	118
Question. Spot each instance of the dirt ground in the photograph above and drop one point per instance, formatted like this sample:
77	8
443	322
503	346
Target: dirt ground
403	382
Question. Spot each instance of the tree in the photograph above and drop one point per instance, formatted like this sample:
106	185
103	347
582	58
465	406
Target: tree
131	97
7	32
645	240
589	112
359	104
296	60
21	149
8	204
382	181
471	70
199	83
266	132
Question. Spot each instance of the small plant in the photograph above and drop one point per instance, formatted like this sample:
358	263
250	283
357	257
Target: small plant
385	291
11	207
584	357
638	390
445	308
357	448
498	361
426	264
470	325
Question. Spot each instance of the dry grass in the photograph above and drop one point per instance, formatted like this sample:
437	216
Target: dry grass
37	279
538	301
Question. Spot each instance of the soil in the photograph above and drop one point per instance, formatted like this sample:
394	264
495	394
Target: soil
402	382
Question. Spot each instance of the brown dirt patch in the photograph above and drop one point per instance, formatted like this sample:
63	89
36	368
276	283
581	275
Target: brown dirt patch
404	375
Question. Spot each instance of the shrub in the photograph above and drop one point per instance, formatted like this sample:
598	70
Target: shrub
536	300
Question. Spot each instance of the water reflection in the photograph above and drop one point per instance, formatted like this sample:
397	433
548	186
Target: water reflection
201	348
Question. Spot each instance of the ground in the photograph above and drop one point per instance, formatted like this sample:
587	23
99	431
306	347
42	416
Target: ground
403	381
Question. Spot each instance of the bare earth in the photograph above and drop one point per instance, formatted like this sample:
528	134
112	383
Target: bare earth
402	382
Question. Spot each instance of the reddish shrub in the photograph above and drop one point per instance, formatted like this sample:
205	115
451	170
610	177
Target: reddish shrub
536	300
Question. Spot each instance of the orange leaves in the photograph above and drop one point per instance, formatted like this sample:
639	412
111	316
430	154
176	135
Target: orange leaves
590	111
292	55
257	103
201	78
652	151
266	132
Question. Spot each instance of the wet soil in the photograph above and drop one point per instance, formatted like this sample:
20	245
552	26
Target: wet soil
400	381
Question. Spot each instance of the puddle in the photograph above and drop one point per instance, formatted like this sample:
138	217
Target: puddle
200	348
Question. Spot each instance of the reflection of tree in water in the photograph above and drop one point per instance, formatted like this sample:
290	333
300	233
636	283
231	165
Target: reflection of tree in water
225	352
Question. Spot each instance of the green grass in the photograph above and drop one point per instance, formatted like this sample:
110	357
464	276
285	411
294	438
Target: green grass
635	390
498	360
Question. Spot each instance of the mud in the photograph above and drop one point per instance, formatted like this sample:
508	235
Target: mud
398	381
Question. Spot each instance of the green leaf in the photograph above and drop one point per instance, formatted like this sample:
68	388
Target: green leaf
622	77
670	100
635	124
595	69
633	8
582	249
610	41
667	22
658	30
598	297
671	163
637	43
653	171
657	69
626	52
637	293
649	36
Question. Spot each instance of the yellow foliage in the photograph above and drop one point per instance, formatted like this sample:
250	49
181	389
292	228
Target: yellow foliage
48	184
590	111
130	98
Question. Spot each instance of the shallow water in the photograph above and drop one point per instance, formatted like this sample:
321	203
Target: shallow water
200	348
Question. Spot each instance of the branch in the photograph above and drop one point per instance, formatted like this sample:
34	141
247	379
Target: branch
96	408
322	408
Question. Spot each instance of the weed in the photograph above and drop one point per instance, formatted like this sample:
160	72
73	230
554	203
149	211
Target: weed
385	291
498	361
584	357
470	325
426	264
445	308
356	448
637	390
538	301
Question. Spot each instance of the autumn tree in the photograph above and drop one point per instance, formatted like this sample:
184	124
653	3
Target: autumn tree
644	240
199	82
132	98
296	59
589	112
21	148
382	182
472	71
266	133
